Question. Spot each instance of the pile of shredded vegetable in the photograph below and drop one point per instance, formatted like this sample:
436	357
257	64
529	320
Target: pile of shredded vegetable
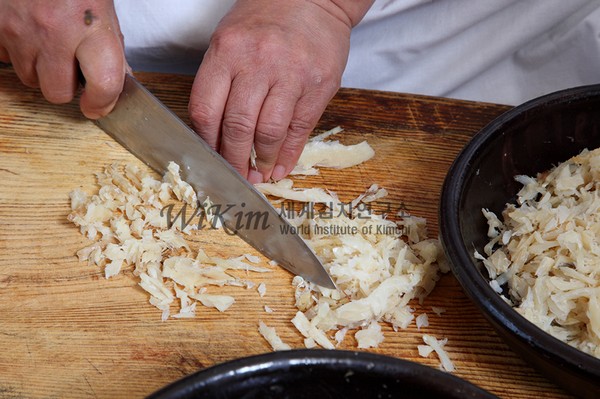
547	253
378	265
125	222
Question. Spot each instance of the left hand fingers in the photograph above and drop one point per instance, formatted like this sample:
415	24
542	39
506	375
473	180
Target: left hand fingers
307	112
103	65
282	74
277	123
272	131
244	104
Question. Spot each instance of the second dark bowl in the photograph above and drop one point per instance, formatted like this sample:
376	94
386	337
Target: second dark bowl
528	139
320	373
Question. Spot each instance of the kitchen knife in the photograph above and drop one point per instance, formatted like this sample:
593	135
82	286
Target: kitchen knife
153	133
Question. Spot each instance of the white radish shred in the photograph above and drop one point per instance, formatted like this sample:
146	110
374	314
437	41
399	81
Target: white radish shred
331	154
271	336
379	265
544	253
340	335
438	347
309	330
262	289
438	310
253	158
252	258
369	337
220	302
422	320
327	134
285	189
424	350
124	219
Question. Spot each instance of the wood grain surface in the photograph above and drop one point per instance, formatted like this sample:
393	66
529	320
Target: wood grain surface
67	332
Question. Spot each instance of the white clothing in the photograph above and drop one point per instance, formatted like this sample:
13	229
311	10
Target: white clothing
504	51
168	35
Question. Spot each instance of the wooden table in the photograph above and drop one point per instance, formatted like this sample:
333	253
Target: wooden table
66	331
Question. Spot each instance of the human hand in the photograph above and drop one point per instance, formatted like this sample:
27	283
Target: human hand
47	41
269	72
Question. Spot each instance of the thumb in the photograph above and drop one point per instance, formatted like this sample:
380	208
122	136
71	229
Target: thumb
102	62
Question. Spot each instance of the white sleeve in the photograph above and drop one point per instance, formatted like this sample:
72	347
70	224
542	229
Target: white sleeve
168	35
504	51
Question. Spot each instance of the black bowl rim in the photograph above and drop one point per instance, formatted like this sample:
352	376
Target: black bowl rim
458	254
352	360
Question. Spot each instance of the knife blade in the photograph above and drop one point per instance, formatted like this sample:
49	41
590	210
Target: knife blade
153	133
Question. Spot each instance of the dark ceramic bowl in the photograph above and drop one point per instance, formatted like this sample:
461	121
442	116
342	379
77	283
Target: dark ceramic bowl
308	374
527	139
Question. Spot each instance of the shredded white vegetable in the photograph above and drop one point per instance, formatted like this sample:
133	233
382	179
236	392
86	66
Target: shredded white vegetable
310	330
262	289
285	189
369	337
422	320
546	253
124	220
438	310
378	265
271	336
331	154
434	345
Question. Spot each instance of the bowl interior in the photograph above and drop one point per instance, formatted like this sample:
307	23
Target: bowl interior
526	140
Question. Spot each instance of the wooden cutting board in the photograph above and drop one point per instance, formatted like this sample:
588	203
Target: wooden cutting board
66	331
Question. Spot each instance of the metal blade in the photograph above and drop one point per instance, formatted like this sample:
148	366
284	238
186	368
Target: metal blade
153	133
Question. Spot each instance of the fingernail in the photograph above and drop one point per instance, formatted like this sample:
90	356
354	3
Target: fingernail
278	172
255	176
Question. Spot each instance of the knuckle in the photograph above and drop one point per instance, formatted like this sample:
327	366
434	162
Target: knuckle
326	81
300	128
270	133
201	114
226	38
238	127
333	86
11	29
256	47
272	47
